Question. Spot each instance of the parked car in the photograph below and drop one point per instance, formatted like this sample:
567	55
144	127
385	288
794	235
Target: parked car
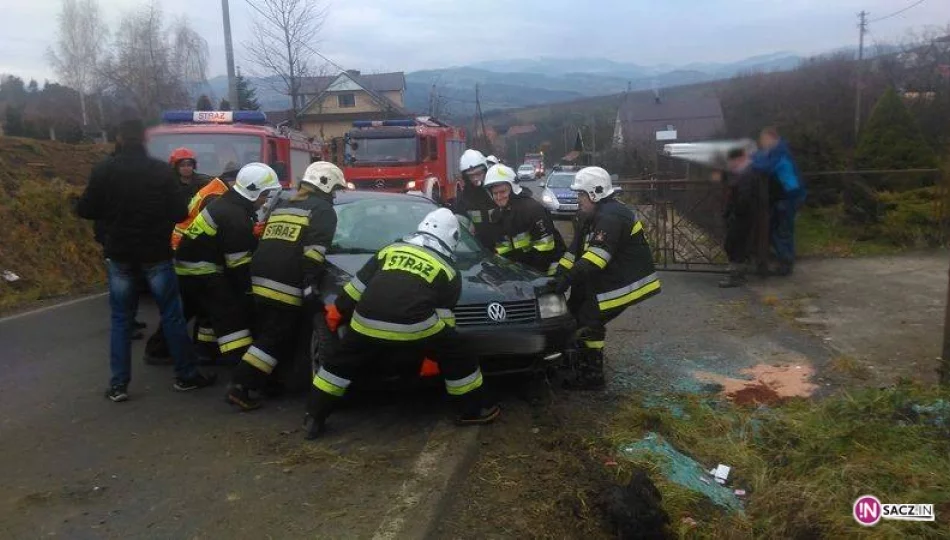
367	221
556	194
526	172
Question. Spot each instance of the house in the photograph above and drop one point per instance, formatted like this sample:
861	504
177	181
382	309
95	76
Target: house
655	119
333	103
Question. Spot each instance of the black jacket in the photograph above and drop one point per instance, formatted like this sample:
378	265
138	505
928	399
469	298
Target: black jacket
740	192
220	240
476	203
611	253
404	293
137	202
528	235
291	254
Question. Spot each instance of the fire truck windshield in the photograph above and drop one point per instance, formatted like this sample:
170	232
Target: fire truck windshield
216	152
376	150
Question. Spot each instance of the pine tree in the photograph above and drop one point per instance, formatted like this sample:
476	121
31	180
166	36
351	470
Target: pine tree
34	87
247	95
225	105
892	139
204	104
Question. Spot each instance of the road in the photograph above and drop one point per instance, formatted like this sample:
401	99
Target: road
173	465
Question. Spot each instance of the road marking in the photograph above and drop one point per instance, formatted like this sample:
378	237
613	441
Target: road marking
54	306
428	480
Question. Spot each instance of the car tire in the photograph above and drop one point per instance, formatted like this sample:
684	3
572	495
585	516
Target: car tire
323	344
436	194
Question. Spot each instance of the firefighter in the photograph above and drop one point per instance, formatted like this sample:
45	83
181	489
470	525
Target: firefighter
156	351
608	268
492	161
285	275
213	259
527	233
401	302
185	164
474	202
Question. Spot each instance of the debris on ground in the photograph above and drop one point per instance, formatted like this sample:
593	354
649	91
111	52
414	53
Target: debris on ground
635	510
766	384
9	276
681	469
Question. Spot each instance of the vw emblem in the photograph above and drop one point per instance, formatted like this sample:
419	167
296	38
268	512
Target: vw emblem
496	312
380	184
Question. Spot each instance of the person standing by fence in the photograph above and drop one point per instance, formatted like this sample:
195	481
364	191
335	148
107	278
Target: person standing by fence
786	195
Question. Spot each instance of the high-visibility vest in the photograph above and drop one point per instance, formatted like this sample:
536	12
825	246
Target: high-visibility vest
213	188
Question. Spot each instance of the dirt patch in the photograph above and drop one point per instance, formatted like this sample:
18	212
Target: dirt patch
765	383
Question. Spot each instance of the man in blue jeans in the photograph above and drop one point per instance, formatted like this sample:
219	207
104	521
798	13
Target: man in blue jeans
137	201
786	195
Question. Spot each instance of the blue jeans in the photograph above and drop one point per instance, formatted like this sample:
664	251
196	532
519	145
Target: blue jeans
782	228
124	299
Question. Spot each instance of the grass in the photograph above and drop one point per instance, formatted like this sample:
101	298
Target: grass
803	463
848	365
824	232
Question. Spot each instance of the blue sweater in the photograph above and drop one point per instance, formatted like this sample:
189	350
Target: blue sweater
778	162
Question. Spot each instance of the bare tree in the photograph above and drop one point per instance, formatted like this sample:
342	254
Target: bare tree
82	39
284	34
190	53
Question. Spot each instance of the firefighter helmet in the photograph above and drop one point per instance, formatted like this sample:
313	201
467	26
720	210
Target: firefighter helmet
595	182
181	154
254	179
472	159
324	176
501	174
443	225
492	160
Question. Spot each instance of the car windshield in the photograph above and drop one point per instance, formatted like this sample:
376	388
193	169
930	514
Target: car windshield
396	150
368	225
216	152
560	180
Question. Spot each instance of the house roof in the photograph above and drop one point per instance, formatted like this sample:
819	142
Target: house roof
694	118
377	82
521	130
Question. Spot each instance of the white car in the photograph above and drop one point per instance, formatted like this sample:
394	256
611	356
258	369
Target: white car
556	194
526	172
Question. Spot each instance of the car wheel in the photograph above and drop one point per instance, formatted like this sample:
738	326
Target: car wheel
323	344
436	194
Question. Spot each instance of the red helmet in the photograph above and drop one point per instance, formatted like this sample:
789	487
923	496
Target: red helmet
180	154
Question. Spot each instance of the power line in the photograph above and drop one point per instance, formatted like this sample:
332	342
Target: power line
896	13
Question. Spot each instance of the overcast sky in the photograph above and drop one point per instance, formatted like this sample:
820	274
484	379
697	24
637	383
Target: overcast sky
408	35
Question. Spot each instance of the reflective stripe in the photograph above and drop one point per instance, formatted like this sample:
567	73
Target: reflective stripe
260	359
630	293
201	268
294	220
594	344
446	315
428	256
291	212
314	255
205	223
352	291
237	258
235	340
206	335
277	296
276	285
637	227
600	252
567	260
552	269
522	241
397	331
465	385
330	383
308	290
321	249
504	246
595	258
545	243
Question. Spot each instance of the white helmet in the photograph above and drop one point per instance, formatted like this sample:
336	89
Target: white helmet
472	159
443	225
595	182
324	176
254	179
492	160
501	174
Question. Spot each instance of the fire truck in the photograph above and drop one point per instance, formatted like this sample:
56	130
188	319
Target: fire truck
538	161
223	140
407	155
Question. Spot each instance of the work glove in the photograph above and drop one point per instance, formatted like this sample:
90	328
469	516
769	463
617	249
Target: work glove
258	229
559	285
333	317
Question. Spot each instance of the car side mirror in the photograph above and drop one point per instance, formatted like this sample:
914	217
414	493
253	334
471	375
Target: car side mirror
280	168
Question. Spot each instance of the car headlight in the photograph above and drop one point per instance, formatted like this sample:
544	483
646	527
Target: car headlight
552	305
411	184
350	185
547	198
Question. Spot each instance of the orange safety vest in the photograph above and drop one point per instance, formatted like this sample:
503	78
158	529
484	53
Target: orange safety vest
198	202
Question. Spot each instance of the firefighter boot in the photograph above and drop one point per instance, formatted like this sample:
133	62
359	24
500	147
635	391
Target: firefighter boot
247	379
588	372
477	408
319	406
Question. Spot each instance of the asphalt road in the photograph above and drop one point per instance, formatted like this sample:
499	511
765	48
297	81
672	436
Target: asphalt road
186	465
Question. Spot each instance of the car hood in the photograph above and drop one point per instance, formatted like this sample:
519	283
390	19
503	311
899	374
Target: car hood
485	277
563	193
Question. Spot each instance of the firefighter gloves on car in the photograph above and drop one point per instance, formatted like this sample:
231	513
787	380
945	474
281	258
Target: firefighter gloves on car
333	317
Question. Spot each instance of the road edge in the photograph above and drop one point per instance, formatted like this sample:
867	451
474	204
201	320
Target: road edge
27	311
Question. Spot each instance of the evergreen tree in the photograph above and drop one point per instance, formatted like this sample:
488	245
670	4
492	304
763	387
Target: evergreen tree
247	95
204	104
13	124
34	87
891	139
225	105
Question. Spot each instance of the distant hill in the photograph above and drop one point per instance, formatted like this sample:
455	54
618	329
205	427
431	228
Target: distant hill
515	83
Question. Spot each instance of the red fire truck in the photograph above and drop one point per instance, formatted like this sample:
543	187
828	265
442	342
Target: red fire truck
419	154
537	160
224	139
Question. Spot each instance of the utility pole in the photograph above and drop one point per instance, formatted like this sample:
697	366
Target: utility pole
229	51
862	29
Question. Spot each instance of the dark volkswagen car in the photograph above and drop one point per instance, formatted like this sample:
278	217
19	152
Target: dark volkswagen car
497	294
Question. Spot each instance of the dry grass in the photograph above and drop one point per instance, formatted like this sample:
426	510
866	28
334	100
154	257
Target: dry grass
848	365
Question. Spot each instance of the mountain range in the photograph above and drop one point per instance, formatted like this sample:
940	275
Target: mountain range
505	84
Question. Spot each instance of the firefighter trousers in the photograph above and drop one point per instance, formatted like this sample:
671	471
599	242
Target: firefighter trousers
276	329
463	377
227	309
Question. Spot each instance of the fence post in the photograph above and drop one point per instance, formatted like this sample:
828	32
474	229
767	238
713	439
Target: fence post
944	369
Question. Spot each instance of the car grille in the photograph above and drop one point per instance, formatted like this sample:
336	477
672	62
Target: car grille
516	312
567	200
380	183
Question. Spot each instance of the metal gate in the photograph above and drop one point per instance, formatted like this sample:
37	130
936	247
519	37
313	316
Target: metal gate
682	220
